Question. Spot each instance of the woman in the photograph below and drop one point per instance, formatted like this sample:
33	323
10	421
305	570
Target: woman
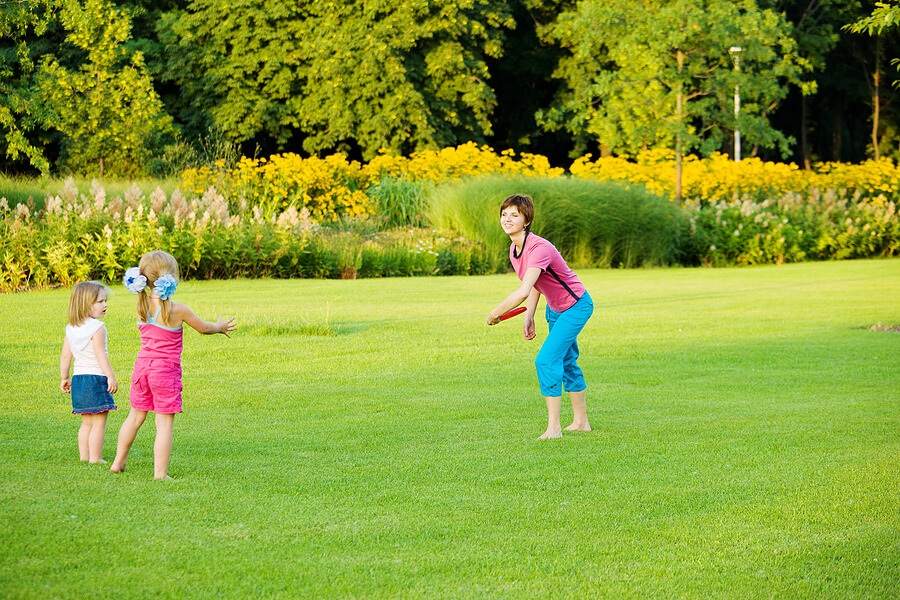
542	270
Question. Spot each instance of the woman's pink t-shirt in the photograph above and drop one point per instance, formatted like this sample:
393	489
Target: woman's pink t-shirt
562	290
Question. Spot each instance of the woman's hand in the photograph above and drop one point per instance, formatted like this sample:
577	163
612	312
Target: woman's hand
528	327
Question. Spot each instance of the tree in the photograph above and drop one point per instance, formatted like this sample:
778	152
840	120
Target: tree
816	24
523	83
651	73
20	111
885	16
366	74
104	104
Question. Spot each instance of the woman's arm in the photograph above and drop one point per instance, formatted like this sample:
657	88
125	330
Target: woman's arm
98	340
522	293
528	325
183	314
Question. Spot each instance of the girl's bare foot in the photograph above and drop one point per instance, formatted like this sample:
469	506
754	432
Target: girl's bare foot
579	426
117	469
551	434
99	461
165	478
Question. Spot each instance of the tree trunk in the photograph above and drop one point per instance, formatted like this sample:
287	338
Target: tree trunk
876	98
678	151
679	116
804	142
837	138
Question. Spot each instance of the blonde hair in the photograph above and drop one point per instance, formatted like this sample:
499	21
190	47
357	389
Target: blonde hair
154	265
84	294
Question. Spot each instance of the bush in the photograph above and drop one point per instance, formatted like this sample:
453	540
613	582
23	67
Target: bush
718	178
796	227
77	237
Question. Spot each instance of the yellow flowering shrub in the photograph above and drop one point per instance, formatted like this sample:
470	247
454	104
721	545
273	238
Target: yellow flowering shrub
448	164
327	187
333	187
872	177
719	178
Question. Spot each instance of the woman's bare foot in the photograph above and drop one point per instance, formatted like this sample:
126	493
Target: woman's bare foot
164	478
585	426
99	461
551	434
117	469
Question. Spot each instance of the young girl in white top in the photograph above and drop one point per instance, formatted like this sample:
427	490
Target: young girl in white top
93	382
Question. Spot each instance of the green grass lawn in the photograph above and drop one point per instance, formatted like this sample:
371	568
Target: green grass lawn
374	438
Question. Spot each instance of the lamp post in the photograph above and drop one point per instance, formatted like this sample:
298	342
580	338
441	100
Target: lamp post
735	52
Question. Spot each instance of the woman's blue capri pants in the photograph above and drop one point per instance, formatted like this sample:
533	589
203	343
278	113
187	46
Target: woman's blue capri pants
557	362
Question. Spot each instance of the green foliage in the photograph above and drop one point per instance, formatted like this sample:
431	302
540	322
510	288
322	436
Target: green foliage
105	107
21	110
885	15
796	227
89	236
591	223
400	76
211	150
657	73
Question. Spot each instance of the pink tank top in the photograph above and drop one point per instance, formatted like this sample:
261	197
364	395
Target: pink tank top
158	342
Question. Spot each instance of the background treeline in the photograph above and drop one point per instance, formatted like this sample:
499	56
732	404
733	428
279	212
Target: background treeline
150	87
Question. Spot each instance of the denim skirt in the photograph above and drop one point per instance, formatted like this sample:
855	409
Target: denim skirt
90	395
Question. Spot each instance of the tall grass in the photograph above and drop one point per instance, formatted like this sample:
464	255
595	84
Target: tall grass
592	223
399	202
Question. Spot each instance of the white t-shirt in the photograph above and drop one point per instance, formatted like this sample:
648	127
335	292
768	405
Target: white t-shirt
82	349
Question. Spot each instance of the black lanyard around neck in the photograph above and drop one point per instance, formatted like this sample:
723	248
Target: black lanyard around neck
524	239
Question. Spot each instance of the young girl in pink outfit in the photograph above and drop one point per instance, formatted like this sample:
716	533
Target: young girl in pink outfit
156	379
93	382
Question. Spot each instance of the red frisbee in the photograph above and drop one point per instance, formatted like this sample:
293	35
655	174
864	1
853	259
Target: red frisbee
511	313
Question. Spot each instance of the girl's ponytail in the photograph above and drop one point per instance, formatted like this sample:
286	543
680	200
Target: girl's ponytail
160	269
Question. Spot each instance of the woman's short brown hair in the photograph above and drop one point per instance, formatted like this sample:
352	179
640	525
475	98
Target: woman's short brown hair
523	203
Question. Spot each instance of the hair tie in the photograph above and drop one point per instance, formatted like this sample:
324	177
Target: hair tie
165	286
134	281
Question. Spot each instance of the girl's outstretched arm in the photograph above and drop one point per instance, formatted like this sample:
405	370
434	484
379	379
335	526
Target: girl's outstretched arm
517	297
182	313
